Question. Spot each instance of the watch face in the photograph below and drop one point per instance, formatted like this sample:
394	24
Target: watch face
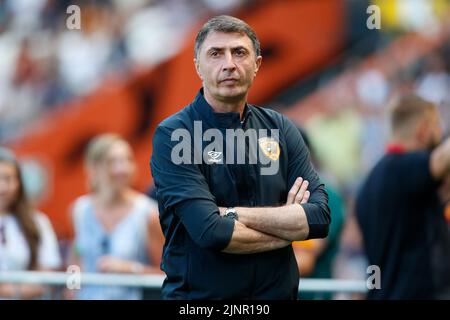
231	213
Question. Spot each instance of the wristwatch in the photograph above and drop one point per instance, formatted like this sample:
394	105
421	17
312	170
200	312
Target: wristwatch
231	213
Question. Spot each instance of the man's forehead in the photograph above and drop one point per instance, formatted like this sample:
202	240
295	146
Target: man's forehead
219	39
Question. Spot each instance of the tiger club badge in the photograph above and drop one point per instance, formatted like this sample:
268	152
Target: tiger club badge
270	147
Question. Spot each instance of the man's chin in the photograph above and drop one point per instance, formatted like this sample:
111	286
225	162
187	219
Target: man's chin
233	94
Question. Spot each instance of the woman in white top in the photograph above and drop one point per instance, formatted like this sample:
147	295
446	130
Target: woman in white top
116	228
27	240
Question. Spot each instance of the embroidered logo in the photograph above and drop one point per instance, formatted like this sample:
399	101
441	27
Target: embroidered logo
270	148
214	156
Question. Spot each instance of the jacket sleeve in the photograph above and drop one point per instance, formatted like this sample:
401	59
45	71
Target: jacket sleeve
182	189
317	210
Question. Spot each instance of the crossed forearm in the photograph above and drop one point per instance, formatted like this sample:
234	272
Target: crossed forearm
270	228
246	240
286	222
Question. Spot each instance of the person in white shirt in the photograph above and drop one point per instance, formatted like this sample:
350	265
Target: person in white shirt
27	239
116	227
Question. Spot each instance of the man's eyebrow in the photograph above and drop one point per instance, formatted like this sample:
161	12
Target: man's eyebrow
222	48
239	48
215	49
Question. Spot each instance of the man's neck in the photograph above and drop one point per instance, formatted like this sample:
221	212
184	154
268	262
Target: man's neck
407	145
226	106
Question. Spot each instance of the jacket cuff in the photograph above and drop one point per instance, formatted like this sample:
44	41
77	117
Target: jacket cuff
317	222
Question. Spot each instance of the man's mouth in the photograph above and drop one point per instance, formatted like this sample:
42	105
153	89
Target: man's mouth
229	81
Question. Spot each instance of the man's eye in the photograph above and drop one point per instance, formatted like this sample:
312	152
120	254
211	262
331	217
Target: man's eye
214	54
240	53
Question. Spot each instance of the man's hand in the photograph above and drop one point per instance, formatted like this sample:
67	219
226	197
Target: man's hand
298	193
287	223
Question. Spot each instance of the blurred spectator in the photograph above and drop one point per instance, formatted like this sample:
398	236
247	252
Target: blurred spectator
156	33
25	14
398	209
372	90
336	136
116	228
316	257
44	64
349	146
27	240
84	55
434	84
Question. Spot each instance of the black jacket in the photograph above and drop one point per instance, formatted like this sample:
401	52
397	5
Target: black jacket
189	195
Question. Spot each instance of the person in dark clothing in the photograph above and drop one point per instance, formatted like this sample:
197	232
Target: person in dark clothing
398	209
234	181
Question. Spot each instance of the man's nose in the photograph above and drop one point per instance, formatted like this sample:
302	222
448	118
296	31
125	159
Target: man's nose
228	63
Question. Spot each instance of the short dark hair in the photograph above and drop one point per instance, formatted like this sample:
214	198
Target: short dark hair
407	111
227	24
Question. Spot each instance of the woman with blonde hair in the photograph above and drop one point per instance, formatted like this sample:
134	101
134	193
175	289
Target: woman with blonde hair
116	228
27	240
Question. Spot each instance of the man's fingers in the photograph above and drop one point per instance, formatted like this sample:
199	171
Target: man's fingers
294	190
301	191
298	192
305	197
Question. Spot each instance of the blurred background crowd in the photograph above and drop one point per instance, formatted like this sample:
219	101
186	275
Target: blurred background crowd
130	66
45	64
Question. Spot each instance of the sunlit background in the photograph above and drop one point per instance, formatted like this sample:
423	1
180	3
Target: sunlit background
130	66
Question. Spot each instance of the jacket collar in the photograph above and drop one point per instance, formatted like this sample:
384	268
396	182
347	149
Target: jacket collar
222	120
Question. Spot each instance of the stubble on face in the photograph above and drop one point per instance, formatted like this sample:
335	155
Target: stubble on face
227	65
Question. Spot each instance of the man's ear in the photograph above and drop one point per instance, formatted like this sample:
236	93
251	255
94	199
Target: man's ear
258	63
422	131
197	68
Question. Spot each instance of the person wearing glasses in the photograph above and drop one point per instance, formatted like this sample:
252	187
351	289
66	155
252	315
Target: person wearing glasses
116	228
